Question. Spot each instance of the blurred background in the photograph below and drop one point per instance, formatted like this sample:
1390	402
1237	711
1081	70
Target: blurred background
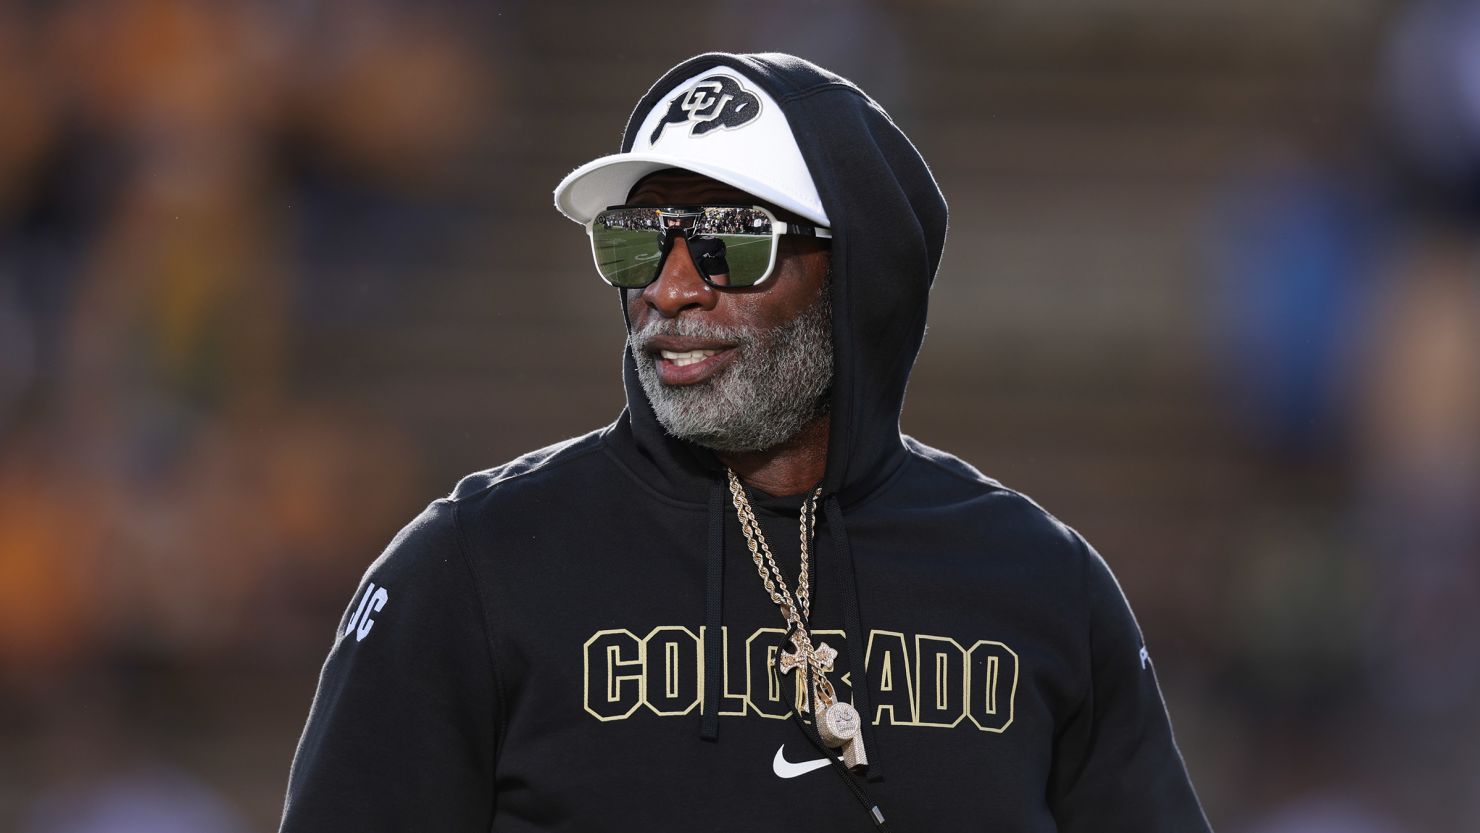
275	273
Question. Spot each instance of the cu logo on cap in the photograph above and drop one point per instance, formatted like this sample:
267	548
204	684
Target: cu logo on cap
712	103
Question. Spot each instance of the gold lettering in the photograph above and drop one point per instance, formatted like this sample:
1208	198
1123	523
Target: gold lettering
619	659
887	650
760	653
992	667
941	695
935	682
678	651
731	704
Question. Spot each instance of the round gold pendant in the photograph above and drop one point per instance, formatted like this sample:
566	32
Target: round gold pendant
837	724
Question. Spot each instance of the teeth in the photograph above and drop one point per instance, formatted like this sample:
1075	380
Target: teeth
685	359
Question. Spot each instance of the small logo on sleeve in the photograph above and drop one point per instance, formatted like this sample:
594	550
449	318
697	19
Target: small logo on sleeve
713	103
1145	657
364	618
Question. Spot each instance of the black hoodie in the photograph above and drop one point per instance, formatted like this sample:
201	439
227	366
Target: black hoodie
534	652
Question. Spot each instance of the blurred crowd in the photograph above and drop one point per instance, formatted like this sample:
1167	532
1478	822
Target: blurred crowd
197	196
1346	303
192	196
174	177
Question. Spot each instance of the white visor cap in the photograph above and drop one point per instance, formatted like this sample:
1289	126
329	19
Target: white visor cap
713	123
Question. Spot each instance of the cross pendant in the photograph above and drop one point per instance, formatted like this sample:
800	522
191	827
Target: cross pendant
798	657
823	655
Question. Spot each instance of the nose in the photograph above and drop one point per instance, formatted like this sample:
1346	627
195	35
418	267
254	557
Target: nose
679	286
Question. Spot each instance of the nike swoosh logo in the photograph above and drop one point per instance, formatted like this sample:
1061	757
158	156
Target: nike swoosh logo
786	769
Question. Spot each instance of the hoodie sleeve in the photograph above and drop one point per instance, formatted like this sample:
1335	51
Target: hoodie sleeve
401	733
1116	765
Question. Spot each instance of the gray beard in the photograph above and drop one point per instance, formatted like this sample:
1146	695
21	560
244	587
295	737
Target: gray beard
777	383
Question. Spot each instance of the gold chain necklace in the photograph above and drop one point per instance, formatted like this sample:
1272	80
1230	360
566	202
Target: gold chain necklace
838	723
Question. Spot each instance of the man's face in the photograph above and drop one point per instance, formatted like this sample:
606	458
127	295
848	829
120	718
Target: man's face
732	369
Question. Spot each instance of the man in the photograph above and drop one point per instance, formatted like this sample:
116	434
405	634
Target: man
749	603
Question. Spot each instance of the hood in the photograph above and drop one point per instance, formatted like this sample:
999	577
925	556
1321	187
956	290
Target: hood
889	227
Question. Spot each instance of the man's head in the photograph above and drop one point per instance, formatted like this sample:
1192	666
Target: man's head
732	369
781	132
726	365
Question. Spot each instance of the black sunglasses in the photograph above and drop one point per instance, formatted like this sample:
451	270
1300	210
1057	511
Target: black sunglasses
732	245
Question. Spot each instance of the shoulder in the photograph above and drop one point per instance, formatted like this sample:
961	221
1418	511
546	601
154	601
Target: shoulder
947	482
1012	522
544	466
1011	527
427	551
434	542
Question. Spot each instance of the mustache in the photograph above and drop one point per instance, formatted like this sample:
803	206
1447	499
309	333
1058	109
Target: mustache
689	328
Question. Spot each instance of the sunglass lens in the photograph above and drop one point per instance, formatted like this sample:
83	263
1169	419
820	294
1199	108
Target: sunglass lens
627	243
731	246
